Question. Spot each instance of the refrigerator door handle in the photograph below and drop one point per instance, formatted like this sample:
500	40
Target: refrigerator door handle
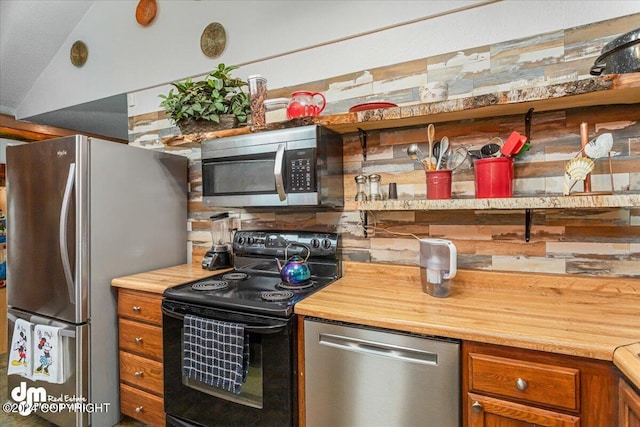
64	251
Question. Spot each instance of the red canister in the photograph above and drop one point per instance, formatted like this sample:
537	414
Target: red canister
494	177
438	184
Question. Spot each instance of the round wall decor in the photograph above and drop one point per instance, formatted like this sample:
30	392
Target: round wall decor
79	53
146	11
213	40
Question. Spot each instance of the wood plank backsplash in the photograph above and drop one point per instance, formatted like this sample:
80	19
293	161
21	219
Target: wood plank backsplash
595	241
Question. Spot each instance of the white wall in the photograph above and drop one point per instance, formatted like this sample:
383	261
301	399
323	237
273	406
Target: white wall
289	42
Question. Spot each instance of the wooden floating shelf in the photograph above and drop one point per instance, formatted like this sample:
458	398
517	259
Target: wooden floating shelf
536	202
603	90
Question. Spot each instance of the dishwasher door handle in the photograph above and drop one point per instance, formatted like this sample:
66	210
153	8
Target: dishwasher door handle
404	354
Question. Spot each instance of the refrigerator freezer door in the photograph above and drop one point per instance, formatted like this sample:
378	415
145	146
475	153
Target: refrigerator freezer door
74	355
42	199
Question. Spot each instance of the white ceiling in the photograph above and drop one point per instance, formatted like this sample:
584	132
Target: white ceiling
35	38
31	34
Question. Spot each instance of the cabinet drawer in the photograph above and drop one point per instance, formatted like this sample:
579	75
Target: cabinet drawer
142	406
141	372
549	385
487	411
140	338
141	306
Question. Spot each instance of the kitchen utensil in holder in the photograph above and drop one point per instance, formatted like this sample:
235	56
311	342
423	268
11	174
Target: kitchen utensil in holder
438	265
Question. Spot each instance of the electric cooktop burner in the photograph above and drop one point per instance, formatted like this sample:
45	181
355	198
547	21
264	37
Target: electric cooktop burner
254	285
210	285
276	296
293	287
236	275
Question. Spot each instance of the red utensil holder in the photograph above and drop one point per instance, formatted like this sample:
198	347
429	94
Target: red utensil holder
494	177
438	184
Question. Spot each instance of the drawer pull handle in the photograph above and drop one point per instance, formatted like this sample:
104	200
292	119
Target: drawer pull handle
139	409
137	374
521	384
138	340
136	309
477	407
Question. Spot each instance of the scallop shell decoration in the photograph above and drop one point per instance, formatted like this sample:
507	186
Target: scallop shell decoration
577	169
600	146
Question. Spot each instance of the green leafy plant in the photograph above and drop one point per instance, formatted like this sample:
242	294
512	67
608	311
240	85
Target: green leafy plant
217	94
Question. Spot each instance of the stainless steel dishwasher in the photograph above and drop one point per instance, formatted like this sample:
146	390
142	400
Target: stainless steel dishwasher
360	376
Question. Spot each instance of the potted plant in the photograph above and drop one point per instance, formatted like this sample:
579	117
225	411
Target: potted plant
216	102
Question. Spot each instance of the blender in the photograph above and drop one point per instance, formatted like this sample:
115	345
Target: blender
438	260
219	256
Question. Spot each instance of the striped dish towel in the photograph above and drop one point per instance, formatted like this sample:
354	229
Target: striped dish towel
215	352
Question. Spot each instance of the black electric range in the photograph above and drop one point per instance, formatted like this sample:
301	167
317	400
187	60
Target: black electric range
254	285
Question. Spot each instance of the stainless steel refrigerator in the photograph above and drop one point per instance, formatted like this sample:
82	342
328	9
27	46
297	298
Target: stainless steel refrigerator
81	211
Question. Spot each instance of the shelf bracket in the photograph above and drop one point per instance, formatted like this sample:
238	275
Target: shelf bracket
528	215
364	220
363	143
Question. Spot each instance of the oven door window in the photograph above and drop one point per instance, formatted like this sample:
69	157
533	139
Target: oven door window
238	175
251	392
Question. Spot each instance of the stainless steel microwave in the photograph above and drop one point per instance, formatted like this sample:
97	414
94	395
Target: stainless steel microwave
299	166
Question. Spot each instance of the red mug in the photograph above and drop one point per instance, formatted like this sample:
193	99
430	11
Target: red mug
305	104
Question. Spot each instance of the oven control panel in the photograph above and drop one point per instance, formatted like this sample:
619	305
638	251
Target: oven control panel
274	243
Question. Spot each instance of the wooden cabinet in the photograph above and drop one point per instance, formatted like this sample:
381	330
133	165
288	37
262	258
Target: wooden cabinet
510	387
140	342
488	411
629	405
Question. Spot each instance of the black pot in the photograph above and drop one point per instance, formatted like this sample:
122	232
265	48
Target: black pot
619	56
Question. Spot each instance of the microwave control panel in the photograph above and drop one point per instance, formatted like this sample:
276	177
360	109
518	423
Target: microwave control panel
301	171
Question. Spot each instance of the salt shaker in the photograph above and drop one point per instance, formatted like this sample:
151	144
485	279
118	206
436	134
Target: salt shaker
258	94
374	187
361	188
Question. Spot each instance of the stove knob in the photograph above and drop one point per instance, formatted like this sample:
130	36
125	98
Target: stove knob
250	240
326	243
315	243
241	240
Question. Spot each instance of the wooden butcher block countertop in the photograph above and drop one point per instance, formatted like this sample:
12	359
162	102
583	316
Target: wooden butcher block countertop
627	358
580	316
156	281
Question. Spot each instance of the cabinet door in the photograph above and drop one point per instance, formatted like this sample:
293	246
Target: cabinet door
489	412
629	406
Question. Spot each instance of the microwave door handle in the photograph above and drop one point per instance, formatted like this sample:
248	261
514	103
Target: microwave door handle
64	250
277	172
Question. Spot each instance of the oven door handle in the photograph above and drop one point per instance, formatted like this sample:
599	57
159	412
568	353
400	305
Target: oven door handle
262	330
